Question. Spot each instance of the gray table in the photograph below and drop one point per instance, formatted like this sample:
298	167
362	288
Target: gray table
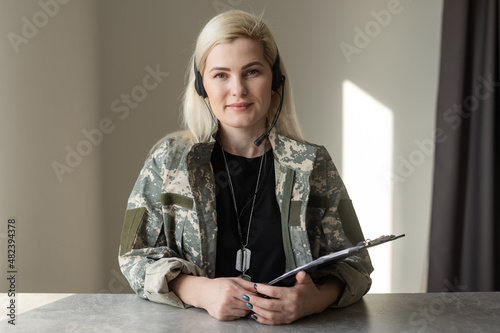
447	312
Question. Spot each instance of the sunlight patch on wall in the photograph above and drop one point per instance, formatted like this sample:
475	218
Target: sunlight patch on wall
367	155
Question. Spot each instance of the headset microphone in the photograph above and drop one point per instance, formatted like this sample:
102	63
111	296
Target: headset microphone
264	136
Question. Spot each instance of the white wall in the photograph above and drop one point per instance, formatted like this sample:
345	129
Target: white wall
66	78
50	93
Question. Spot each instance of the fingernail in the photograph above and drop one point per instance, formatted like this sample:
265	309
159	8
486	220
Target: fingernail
246	298
255	286
250	306
253	316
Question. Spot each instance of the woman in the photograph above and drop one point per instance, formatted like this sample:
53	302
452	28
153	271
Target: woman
233	202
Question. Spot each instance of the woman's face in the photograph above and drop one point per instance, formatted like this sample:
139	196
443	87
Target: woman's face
237	79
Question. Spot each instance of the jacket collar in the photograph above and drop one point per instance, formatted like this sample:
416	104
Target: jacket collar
292	153
289	152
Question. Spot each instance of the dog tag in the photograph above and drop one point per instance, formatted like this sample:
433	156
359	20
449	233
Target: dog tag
243	259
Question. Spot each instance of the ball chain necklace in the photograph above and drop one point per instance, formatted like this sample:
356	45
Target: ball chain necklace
243	254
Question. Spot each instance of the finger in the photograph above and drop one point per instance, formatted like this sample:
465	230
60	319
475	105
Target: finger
236	293
236	314
257	303
303	278
247	285
228	312
240	287
270	317
270	291
245	291
233	316
240	313
276	311
300	277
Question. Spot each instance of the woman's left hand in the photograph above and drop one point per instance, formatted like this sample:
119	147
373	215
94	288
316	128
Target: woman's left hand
288	304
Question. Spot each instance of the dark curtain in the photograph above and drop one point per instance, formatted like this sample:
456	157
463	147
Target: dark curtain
464	249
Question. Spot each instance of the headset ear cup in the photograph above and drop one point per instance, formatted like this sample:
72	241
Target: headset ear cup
198	82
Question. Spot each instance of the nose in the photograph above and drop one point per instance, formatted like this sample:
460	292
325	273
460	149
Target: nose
238	86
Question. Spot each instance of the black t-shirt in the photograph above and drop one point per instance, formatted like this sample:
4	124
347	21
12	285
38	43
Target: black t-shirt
265	241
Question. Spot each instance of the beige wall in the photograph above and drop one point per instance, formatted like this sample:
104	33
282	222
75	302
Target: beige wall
70	76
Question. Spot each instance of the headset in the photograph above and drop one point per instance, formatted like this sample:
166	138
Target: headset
277	81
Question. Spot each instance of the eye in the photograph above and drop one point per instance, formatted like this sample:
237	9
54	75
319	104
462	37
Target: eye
253	72
220	76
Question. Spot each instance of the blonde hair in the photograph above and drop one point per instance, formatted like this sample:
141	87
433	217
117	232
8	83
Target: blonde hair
225	28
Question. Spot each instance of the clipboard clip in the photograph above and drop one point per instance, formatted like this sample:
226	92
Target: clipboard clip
382	239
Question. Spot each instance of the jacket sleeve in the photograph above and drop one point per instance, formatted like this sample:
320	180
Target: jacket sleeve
144	257
334	227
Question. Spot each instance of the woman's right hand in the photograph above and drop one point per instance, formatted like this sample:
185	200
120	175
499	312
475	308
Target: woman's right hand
221	297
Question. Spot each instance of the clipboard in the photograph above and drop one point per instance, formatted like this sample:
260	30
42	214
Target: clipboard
336	256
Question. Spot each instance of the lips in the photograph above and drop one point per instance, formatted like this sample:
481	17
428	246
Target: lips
239	106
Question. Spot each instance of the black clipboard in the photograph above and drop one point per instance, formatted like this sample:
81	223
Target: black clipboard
336	256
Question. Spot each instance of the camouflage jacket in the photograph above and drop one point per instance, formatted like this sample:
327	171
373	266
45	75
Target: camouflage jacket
170	224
